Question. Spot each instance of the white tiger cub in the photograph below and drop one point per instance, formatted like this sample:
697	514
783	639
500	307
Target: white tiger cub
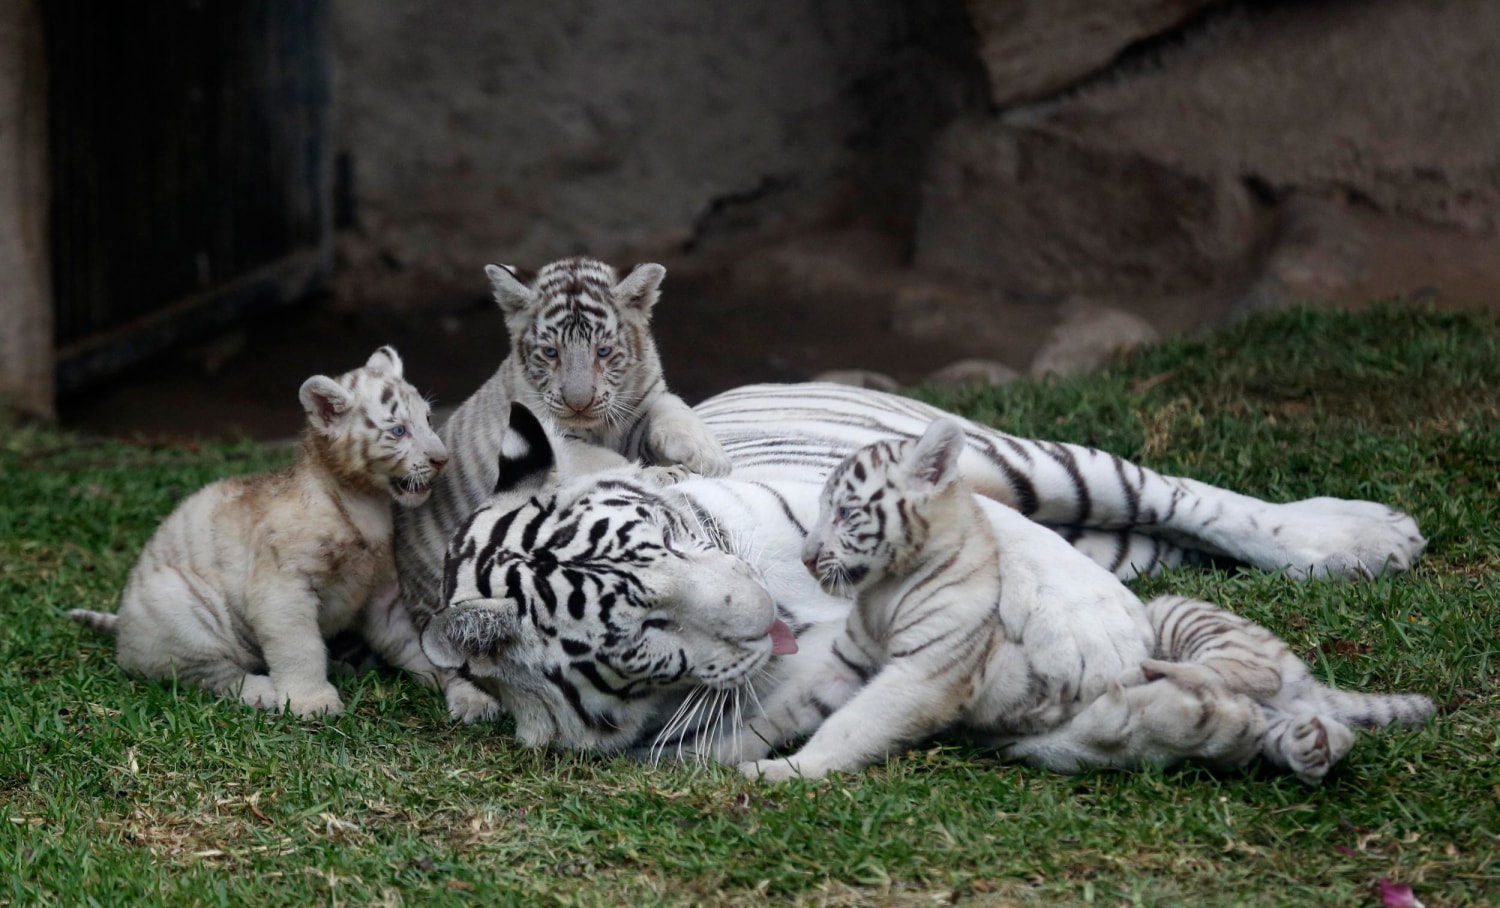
583	359
946	630
241	584
960	620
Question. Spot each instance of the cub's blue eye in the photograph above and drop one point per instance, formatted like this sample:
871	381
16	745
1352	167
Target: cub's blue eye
398	431
605	351
549	352
843	513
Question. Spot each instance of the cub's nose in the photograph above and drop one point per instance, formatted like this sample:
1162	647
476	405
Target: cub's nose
438	462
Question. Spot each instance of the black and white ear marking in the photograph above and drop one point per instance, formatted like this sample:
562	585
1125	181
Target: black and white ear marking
933	463
325	400
641	288
385	360
526	451
510	291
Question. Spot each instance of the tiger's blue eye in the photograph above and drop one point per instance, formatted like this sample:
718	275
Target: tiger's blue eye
843	513
605	351
398	431
549	352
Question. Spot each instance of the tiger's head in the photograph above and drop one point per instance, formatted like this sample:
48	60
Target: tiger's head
373	430
585	604
878	507
580	336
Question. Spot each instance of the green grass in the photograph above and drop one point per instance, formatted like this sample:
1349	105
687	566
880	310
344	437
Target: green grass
116	791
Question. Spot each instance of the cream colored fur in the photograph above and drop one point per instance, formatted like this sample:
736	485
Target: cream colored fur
240	586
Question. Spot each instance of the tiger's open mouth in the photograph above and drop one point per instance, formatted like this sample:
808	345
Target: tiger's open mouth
411	491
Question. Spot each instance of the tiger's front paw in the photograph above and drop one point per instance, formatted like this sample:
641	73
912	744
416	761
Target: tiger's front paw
674	442
1314	745
316	702
468	704
1336	538
781	770
662	477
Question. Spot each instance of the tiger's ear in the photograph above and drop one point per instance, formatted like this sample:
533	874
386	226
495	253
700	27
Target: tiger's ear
509	288
465	630
385	360
932	464
526	456
325	400
641	288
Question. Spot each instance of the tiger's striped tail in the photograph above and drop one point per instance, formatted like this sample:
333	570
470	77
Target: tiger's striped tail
103	622
1376	710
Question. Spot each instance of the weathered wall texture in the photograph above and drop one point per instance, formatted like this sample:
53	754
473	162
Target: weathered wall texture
478	131
25	279
1267	152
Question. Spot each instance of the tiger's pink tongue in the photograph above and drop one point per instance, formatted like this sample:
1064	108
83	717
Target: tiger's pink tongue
782	641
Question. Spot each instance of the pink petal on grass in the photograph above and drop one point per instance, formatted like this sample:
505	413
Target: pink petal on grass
1398	895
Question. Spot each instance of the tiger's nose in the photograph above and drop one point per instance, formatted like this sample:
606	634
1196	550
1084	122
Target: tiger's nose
577	407
438	462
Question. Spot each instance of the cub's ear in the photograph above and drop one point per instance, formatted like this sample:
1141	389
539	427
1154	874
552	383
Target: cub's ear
526	456
641	288
932	464
325	400
385	360
509	288
465	630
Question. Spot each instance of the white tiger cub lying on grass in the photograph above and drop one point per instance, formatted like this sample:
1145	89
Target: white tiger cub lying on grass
939	638
240	586
611	614
583	358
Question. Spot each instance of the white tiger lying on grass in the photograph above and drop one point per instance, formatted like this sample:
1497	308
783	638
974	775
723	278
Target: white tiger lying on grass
581	355
609	614
241	584
957	622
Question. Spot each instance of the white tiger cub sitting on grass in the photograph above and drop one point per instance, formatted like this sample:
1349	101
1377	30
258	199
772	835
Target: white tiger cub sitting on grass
582	358
240	586
1048	658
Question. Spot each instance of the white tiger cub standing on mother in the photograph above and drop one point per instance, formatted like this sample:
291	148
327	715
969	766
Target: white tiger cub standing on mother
241	584
961	619
582	358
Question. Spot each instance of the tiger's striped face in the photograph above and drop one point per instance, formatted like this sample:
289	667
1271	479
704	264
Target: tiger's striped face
586	605
582	337
876	509
372	429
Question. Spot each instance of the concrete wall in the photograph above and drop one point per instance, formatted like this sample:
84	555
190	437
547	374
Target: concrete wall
25	276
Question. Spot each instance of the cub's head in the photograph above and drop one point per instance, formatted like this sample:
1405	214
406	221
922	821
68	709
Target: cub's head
586	604
878	506
372	429
580	336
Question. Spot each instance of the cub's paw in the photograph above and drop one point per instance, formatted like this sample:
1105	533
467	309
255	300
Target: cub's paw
1206	724
780	770
1335	538
1186	675
260	692
1313	745
468	704
662	477
319	701
674	442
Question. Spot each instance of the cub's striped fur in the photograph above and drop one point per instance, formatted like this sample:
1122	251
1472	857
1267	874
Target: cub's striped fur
582	356
1199	645
241	584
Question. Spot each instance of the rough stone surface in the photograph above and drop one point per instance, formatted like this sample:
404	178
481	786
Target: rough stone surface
25	269
971	372
1234	161
1033	48
478	134
1088	338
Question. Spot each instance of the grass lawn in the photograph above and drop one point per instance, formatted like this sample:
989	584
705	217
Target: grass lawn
115	791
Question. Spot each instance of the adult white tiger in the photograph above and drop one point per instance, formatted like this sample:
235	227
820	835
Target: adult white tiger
609	614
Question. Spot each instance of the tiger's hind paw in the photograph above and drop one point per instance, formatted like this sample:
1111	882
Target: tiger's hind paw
1335	538
468	704
1313	745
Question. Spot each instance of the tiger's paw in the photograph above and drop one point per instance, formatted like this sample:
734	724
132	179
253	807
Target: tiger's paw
1314	745
662	477
780	770
1335	538
322	701
689	444
468	704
